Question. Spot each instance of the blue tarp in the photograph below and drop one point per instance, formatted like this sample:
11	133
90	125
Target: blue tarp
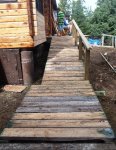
94	41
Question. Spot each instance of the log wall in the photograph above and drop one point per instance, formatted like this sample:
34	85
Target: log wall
21	25
48	10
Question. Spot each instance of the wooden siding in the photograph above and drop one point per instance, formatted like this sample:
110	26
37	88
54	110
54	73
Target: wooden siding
39	28
49	7
48	16
10	59
21	26
14	27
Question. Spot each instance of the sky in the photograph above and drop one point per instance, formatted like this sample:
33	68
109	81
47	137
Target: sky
88	4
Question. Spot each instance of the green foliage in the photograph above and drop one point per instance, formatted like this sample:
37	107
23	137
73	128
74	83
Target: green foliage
78	14
104	18
65	6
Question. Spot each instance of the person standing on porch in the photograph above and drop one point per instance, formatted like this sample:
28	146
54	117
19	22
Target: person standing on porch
60	21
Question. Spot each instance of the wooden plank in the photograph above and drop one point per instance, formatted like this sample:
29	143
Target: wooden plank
64	63
4	31
60	124
59	98
15	12
14	34
78	83
63	78
57	103
56	133
60	116
60	90
22	18
62	94
55	91
59	109
68	87
63	72
67	59
50	75
65	68
63	51
61	55
60	43
10	6
17	39
14	24
87	64
16	45
30	17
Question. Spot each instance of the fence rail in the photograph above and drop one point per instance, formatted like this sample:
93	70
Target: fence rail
84	47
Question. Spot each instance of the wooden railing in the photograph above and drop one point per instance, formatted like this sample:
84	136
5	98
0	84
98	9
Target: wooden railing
83	45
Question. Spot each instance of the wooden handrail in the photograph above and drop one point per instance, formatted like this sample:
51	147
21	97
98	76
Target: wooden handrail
84	47
84	39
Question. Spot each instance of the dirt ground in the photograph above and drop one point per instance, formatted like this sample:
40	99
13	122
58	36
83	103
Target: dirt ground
9	101
102	78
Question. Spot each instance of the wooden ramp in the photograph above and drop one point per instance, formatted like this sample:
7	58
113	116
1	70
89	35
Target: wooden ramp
64	107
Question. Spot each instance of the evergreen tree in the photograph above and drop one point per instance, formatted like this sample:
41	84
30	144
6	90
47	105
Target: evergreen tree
104	18
78	14
65	6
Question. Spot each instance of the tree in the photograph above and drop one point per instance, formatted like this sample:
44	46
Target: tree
65	6
104	18
78	14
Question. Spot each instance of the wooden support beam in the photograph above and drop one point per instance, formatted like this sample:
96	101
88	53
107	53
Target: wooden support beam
76	38
87	64
102	40
80	48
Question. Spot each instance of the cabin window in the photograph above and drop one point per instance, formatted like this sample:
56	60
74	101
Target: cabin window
7	1
39	6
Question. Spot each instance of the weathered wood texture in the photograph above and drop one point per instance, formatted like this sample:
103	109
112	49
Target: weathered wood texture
58	146
40	35
21	25
47	14
49	7
64	107
10	62
84	47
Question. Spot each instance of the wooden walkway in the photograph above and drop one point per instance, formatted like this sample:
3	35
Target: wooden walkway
64	107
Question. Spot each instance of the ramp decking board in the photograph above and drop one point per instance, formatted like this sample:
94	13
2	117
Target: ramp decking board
64	107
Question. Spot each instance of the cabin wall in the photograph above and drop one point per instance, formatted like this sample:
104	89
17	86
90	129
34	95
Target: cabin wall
14	25
48	17
39	27
22	29
49	7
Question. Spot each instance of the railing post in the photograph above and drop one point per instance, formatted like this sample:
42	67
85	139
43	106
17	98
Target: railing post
76	38
87	64
80	48
73	31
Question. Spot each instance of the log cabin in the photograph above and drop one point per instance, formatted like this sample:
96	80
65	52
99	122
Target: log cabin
25	25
